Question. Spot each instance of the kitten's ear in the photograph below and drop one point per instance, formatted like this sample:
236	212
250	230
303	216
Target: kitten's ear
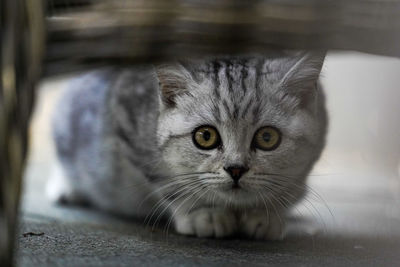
302	75
173	80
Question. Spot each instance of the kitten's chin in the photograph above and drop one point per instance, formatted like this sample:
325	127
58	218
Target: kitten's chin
238	196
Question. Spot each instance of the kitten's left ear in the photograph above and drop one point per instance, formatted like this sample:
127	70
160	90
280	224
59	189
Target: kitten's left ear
301	78
174	81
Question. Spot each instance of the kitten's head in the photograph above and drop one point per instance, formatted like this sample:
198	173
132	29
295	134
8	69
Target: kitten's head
242	130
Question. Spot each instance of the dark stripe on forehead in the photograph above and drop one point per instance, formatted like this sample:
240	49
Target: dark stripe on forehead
236	108
246	107
216	112
215	67
226	106
245	73
229	79
256	112
259	74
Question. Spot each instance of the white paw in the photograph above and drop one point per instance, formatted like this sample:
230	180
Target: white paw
207	222
260	225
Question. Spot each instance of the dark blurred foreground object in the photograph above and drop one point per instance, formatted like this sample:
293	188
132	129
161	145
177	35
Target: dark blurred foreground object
95	32
21	45
83	34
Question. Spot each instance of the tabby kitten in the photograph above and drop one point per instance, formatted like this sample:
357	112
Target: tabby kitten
217	146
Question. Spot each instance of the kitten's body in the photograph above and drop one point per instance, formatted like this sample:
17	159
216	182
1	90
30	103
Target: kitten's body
127	150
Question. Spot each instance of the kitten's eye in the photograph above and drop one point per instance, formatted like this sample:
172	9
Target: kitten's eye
267	138
206	137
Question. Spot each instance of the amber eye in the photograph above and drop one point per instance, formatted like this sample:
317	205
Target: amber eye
206	137
267	138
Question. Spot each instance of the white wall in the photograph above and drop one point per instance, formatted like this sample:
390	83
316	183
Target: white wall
363	98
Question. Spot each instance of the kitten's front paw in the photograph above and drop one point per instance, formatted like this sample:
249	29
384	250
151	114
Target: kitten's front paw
262	225
207	222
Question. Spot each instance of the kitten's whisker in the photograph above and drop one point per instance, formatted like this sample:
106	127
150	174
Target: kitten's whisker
302	186
195	187
274	207
189	195
284	191
299	185
184	174
153	210
178	190
161	202
319	197
182	187
194	203
209	198
180	181
213	199
288	203
265	200
160	214
292	176
319	217
313	207
163	179
187	212
324	174
309	189
265	203
168	185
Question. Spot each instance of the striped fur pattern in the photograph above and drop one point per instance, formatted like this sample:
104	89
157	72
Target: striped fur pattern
124	140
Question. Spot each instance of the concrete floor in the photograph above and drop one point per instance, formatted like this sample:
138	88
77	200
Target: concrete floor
354	220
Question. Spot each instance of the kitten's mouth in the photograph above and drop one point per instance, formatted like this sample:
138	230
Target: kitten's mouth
236	186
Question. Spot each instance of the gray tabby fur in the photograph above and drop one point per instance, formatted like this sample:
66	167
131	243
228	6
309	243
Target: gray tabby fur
125	145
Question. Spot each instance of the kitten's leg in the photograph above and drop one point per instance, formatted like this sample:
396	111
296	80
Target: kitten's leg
206	222
60	189
259	224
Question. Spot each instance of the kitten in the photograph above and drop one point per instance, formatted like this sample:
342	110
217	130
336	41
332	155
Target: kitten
218	146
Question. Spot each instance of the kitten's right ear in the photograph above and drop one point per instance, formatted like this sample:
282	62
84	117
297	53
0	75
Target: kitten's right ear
300	77
173	80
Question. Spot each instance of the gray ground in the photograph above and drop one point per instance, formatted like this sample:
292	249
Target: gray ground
353	221
366	234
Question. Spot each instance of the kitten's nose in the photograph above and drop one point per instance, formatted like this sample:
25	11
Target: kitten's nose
236	171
